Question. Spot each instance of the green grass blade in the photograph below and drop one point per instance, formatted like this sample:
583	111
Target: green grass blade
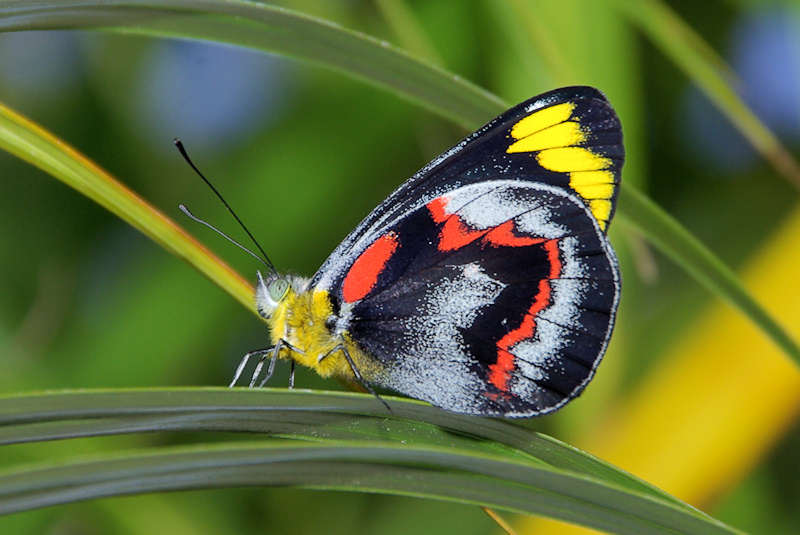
33	144
289	413
349	442
273	29
390	469
695	57
699	262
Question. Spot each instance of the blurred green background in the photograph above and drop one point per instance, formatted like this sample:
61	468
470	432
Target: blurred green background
302	154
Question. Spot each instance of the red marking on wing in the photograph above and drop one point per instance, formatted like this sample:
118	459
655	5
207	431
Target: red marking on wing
454	234
500	371
503	236
437	209
363	274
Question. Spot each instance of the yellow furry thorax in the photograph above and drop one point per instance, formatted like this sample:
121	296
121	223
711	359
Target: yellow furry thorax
304	318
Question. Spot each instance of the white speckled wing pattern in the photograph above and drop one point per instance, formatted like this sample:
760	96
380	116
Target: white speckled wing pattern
487	326
485	284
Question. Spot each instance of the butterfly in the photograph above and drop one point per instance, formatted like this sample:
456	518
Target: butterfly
485	284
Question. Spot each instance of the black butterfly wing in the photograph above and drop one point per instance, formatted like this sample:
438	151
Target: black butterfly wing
569	137
497	298
485	283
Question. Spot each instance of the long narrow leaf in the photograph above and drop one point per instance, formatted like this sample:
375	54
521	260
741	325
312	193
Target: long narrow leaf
699	262
427	453
289	413
33	144
273	29
428	473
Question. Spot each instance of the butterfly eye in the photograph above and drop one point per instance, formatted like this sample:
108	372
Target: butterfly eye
278	289
270	292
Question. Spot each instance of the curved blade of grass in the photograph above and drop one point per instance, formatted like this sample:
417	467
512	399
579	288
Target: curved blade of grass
31	143
309	415
390	469
273	29
694	257
417	450
288	414
708	71
293	34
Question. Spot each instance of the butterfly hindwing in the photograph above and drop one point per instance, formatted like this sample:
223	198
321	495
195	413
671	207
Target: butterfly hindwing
497	298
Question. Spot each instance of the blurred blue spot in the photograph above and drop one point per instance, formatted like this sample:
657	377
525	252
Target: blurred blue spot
211	95
710	139
765	54
39	67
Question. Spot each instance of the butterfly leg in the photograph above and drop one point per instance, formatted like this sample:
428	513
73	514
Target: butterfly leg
275	352
244	361
363	382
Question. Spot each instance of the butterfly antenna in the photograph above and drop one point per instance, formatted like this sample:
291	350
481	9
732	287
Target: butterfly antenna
218	231
265	260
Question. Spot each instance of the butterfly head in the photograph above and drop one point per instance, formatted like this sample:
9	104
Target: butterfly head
274	290
270	291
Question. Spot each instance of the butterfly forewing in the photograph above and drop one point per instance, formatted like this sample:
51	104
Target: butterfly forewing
485	155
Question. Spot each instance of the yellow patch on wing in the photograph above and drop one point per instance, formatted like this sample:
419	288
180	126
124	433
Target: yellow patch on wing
556	138
559	135
539	120
569	159
546	129
601	210
593	184
597	189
